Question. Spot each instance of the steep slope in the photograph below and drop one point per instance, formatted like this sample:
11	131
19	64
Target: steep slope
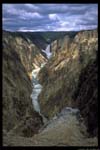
20	57
31	56
61	74
17	105
73	60
86	96
18	62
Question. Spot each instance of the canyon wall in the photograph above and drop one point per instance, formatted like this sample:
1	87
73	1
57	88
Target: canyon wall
30	54
22	52
69	79
61	75
20	57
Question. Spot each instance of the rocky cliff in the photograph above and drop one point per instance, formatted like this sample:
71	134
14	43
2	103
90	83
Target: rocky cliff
21	54
23	43
60	76
19	58
69	79
86	96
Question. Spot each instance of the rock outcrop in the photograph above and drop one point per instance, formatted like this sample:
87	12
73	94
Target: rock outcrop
61	74
23	43
21	54
65	129
86	96
69	79
18	114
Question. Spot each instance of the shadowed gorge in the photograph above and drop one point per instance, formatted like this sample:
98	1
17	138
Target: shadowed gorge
86	96
50	88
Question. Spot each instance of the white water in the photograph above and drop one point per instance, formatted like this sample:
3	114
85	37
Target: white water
38	87
64	114
47	51
36	90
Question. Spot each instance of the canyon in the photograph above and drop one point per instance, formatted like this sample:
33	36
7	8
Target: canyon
50	88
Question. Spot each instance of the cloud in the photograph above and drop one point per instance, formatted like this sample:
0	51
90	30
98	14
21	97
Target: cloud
30	15
53	16
49	17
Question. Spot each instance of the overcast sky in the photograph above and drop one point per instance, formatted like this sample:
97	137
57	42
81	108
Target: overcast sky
49	17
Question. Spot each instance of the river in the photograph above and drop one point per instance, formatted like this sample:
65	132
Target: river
37	87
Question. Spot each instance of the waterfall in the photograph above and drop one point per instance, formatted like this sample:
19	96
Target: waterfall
47	51
37	87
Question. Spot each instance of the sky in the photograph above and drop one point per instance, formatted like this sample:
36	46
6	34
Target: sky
49	17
